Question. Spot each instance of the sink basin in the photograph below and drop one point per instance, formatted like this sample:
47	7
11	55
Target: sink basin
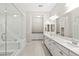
51	34
72	44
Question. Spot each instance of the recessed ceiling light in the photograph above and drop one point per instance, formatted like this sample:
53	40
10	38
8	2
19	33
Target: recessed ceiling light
38	16
5	10
15	15
40	5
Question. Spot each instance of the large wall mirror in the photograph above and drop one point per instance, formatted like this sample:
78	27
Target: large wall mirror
76	27
52	27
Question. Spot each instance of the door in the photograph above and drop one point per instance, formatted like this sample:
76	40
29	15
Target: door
11	29
56	51
14	29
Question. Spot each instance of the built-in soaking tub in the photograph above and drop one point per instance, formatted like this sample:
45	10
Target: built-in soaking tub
11	48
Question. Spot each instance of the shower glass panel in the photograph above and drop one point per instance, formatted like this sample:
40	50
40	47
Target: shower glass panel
11	29
2	30
14	29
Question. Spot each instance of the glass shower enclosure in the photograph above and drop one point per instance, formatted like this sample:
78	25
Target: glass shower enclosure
11	29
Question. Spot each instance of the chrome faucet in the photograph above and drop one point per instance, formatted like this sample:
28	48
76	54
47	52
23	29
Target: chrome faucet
74	41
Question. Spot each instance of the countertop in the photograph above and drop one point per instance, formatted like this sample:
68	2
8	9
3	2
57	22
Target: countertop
64	41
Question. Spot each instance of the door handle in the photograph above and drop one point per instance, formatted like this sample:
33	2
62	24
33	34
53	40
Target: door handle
3	36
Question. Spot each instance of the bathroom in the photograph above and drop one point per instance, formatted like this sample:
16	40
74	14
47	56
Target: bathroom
39	29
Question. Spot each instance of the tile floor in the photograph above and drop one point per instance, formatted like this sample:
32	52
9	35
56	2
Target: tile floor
35	48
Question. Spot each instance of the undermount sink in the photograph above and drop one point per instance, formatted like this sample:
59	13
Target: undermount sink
73	44
51	34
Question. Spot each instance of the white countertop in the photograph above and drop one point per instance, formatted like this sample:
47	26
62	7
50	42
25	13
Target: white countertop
64	42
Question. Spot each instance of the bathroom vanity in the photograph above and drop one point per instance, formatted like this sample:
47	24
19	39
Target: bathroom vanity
60	46
63	38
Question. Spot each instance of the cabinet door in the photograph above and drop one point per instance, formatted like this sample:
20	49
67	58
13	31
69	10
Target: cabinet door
66	51
46	42
56	51
53	48
72	54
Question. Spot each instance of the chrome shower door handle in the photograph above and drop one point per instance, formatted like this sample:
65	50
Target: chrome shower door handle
3	36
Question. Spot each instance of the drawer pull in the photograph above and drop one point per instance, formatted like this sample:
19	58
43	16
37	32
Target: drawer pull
61	53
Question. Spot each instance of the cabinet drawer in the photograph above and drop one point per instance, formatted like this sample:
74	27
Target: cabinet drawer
72	54
60	53
66	51
56	51
48	44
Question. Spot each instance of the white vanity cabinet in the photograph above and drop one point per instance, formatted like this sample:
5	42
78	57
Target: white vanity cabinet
63	49
57	49
72	54
53	47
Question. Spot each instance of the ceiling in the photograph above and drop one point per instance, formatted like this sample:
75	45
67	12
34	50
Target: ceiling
41	7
